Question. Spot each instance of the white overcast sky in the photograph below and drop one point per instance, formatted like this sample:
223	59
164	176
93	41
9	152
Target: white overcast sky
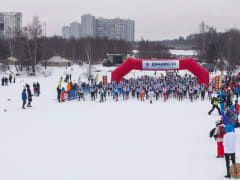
154	19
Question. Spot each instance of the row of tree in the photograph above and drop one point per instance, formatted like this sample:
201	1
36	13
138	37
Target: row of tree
31	47
218	48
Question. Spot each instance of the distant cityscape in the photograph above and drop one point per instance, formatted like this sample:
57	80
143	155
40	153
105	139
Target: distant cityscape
117	28
90	26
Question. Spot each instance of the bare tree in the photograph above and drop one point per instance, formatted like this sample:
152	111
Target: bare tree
32	33
89	56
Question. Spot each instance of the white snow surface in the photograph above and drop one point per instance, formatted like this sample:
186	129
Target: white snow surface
126	140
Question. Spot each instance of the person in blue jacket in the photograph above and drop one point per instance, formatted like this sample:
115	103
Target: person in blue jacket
236	91
24	98
225	118
222	99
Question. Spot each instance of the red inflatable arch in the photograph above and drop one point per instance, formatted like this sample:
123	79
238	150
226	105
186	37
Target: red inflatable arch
161	64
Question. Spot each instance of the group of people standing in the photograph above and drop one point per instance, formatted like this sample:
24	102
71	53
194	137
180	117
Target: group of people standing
27	94
224	132
6	80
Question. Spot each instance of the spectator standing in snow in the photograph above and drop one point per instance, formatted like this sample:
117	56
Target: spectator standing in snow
34	89
58	93
3	79
10	78
29	95
24	98
38	88
14	79
218	134
6	81
229	143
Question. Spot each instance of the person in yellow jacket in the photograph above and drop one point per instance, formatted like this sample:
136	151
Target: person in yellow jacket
68	86
215	102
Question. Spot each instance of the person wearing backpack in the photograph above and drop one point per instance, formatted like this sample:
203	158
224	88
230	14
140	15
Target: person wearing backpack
218	134
215	102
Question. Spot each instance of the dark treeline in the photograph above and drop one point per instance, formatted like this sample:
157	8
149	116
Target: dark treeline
31	47
82	50
152	49
218	48
75	50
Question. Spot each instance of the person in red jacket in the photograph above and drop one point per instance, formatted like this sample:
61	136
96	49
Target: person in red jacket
237	107
218	134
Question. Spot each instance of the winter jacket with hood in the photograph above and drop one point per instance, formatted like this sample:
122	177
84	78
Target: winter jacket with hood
229	140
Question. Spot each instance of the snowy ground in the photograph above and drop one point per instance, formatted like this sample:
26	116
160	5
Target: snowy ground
109	141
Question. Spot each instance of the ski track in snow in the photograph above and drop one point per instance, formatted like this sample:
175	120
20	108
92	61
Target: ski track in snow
105	141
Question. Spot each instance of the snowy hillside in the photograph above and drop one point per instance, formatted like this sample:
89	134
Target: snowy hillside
104	141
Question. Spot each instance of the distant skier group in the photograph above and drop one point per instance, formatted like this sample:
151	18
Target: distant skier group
170	86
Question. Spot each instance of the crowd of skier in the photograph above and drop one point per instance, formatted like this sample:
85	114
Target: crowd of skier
224	132
170	86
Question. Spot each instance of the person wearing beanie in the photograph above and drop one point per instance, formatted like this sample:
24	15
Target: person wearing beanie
229	143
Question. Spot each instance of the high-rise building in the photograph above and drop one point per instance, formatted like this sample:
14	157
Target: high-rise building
129	30
66	32
1	25
12	24
119	29
103	28
88	26
75	30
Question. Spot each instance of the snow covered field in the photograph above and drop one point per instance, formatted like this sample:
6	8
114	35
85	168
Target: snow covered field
108	141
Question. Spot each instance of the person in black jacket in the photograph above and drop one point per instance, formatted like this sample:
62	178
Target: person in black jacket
215	102
3	80
38	88
229	100
29	94
58	94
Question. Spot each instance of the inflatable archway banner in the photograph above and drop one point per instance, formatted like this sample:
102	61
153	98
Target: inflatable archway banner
161	65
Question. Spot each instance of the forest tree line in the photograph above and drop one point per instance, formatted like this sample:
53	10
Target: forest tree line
218	48
32	47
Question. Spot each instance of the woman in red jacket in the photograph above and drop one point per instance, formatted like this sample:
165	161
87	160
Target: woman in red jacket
218	134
